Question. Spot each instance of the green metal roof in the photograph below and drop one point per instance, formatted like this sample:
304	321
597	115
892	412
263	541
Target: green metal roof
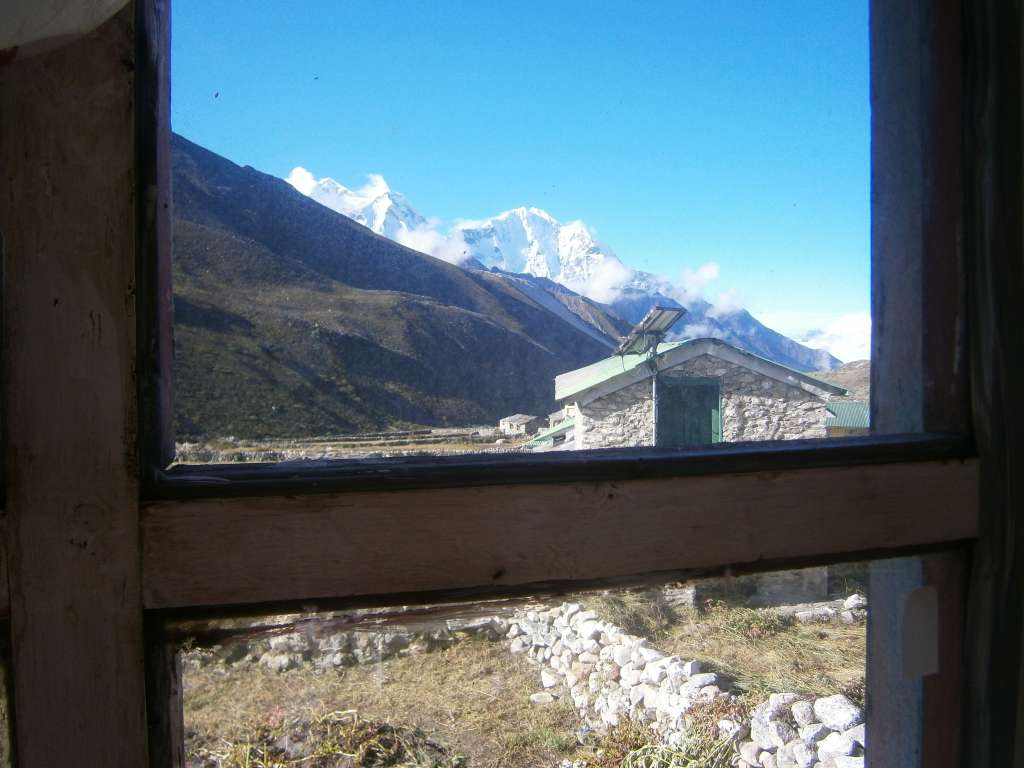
849	414
570	383
582	379
552	432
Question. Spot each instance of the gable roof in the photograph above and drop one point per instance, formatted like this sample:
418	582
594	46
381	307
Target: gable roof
849	414
519	418
613	373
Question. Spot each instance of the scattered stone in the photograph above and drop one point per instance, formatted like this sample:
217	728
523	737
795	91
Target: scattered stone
784	757
691	668
813	733
710	692
771	734
778	702
835	745
768	760
803	712
750	752
541	698
280	662
856	734
820	614
730	729
837	712
855	601
849	762
581	617
705	678
804	755
549	679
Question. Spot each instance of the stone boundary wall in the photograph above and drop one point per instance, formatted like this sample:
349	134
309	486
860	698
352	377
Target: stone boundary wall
611	675
607	673
345	648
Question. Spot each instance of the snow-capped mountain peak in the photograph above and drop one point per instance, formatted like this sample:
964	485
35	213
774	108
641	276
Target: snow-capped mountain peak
374	205
533	241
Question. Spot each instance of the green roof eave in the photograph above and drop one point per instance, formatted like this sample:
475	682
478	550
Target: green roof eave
552	432
613	373
848	414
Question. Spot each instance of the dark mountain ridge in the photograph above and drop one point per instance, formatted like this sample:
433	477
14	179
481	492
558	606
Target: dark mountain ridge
292	320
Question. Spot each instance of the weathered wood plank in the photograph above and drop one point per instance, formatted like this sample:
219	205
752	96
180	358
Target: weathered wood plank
994	249
919	354
166	699
5	592
67	210
610	464
229	551
155	303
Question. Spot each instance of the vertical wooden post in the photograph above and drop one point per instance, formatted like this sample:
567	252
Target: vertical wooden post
994	237
67	210
919	371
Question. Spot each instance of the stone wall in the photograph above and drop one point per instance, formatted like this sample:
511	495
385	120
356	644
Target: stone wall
754	407
611	676
623	419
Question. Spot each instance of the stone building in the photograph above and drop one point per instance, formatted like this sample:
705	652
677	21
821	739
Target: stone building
692	393
520	424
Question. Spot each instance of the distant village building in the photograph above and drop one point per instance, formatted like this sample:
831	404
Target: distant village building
676	394
520	425
847	418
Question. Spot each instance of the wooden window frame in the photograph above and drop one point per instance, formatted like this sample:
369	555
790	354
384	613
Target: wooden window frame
140	546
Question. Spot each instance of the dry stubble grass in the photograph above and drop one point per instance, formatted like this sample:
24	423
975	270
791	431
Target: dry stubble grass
762	651
473	698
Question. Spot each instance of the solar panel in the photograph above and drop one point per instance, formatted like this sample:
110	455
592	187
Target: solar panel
650	331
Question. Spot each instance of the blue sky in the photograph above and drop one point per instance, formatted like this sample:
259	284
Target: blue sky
683	133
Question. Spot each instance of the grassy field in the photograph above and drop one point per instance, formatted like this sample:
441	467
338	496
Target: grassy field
469	706
472	698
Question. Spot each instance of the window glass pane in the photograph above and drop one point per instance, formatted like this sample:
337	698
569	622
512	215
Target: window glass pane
715	670
452	233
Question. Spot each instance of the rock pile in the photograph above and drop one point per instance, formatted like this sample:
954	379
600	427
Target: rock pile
611	675
788	731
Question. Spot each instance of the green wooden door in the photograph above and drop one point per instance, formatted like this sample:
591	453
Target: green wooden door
688	412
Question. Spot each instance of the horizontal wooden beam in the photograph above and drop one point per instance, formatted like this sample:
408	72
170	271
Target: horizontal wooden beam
243	479
221	552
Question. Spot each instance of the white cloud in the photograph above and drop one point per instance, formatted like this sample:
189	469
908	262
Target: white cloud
605	282
845	335
374	187
301	179
726	304
693	281
693	331
427	239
